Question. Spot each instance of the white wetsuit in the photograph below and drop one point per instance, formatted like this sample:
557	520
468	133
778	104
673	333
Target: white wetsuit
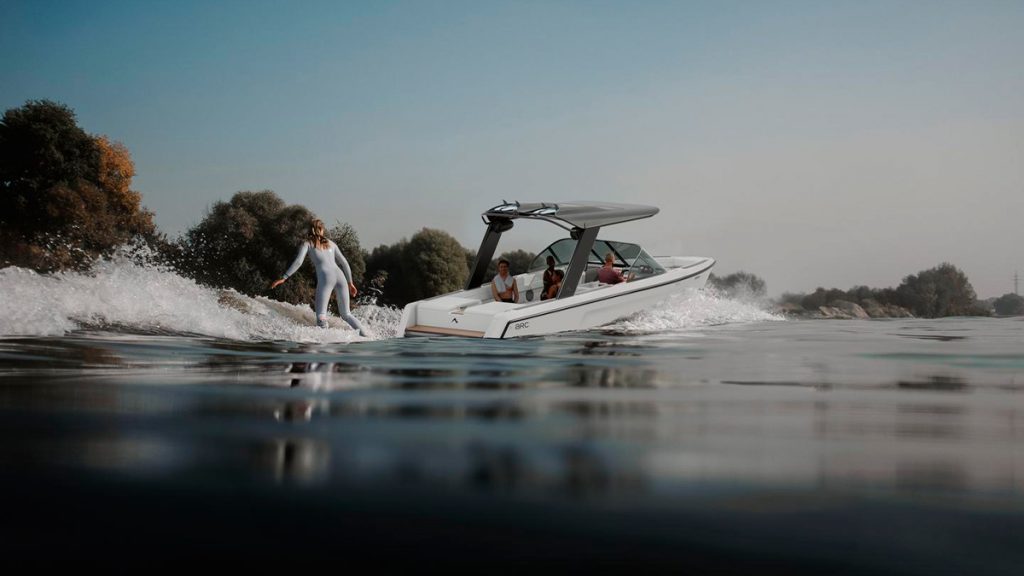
328	277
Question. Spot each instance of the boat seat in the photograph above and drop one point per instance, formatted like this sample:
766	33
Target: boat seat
525	280
590	275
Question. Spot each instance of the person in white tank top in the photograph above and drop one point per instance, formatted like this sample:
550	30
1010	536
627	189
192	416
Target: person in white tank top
503	287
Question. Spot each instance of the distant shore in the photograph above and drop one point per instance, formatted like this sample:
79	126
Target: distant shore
844	310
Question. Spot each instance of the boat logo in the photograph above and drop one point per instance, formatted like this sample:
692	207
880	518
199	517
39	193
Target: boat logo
455	320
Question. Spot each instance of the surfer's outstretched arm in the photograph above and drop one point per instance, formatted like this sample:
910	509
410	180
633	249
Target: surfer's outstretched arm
299	257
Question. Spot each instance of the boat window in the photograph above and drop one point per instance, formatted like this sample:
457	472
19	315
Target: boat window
629	257
645	266
562	251
623	252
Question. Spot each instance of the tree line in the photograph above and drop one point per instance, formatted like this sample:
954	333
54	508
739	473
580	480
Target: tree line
933	293
66	198
936	292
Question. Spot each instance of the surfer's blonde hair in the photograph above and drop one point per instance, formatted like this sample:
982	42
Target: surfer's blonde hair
318	234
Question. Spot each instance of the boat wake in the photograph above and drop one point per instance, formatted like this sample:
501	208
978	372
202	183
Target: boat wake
129	295
126	294
694	309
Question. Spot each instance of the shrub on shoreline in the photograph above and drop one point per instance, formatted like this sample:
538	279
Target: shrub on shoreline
249	241
933	293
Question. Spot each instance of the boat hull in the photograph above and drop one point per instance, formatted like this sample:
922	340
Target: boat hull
472	314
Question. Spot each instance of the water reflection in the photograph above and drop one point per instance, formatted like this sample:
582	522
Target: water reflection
576	471
595	377
300	411
36	353
781	423
932	475
937	337
607	366
301	461
611	365
324	376
613	443
486	411
576	415
940	382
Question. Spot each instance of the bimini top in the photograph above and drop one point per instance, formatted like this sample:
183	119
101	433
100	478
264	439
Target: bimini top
571	215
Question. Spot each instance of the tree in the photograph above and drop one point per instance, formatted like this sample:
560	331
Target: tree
938	292
739	284
249	241
792	298
65	196
815	299
384	272
860	294
471	259
344	235
432	263
519	261
1009	305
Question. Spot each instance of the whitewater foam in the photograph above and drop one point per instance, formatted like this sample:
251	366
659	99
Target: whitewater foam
128	294
694	309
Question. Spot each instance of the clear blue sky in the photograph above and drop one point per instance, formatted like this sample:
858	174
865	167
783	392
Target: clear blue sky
812	143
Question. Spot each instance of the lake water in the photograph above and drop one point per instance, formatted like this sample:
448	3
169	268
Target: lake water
144	416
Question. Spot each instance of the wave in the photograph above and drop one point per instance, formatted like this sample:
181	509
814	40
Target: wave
125	293
694	309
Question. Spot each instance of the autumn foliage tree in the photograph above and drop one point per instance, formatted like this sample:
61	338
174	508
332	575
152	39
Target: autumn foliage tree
65	195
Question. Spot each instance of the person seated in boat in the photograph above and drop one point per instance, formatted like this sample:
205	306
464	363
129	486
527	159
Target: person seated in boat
556	285
549	277
504	284
609	274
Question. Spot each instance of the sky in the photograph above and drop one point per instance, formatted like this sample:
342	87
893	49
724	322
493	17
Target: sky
811	143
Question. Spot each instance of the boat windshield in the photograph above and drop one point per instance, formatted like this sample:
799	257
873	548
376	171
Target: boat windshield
629	257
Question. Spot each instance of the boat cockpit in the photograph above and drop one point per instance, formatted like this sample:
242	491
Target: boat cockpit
631	259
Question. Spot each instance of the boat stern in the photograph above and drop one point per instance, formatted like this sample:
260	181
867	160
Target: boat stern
459	314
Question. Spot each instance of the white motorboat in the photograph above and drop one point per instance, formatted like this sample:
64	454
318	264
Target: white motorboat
582	302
